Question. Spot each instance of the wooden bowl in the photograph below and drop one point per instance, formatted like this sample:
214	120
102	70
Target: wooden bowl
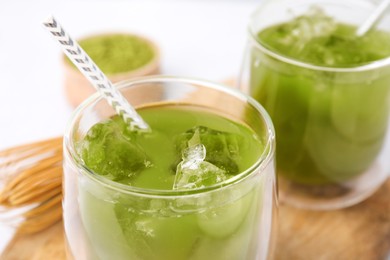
78	88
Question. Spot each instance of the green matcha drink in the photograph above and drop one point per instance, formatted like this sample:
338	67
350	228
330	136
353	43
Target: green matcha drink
178	192
330	118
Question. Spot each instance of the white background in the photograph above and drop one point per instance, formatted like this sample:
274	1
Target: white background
203	39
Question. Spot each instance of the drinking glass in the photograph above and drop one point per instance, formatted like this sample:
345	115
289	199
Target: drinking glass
331	122
107	220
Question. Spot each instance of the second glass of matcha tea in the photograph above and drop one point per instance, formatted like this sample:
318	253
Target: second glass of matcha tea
199	185
327	90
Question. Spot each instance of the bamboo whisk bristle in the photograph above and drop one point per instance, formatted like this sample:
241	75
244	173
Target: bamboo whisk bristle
31	185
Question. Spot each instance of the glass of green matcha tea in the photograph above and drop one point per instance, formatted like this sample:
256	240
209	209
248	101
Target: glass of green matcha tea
199	185
327	92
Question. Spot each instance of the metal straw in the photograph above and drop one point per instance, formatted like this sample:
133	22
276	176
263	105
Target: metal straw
91	71
373	18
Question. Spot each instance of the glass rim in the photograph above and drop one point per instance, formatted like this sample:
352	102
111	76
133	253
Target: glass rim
363	67
261	163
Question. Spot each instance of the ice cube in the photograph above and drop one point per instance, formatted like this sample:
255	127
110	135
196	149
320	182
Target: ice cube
193	172
109	149
222	147
193	156
314	25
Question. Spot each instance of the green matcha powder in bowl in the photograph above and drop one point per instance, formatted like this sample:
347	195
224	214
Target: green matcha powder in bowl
120	56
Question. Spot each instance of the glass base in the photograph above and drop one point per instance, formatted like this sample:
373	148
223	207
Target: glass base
332	196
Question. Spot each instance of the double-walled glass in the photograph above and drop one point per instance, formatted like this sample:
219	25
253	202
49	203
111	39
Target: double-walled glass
232	220
331	122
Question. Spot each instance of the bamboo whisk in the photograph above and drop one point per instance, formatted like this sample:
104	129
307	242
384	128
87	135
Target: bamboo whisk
31	185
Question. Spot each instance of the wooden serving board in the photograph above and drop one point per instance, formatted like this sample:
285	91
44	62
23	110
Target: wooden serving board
358	232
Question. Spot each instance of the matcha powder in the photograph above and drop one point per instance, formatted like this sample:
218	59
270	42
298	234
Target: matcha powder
117	53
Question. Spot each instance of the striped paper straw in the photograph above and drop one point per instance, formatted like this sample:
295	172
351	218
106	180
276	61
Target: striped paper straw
91	71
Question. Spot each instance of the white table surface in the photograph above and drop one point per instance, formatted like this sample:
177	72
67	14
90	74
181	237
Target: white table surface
198	38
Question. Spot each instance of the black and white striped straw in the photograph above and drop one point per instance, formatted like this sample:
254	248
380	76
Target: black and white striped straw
91	71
